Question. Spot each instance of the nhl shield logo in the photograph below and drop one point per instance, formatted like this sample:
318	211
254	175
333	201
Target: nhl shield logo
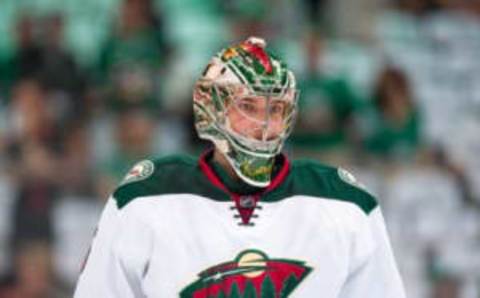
252	274
247	202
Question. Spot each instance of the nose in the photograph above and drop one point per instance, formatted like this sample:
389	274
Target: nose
270	131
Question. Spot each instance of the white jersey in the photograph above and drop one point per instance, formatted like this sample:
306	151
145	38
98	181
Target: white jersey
172	229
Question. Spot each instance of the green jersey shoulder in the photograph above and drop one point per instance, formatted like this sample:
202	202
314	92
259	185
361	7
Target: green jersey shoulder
168	175
311	178
334	183
181	174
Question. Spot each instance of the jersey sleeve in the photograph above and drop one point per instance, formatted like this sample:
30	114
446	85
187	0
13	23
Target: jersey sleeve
118	257
373	272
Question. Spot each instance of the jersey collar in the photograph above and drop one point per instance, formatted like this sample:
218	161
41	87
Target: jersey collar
215	175
245	204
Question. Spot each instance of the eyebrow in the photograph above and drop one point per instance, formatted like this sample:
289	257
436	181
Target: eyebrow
253	99
249	99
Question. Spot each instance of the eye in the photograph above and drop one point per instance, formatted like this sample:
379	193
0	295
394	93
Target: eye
277	109
247	107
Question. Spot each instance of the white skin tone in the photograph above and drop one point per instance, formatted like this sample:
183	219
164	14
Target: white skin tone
248	119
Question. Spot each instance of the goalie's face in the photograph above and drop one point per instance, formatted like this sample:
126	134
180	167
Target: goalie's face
257	117
257	122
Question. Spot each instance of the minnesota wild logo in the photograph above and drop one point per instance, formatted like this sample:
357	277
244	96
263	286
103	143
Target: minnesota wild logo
140	171
251	275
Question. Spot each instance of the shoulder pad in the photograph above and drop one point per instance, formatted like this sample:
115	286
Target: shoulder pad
151	177
335	183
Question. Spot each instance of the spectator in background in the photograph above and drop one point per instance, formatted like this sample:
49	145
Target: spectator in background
30	113
59	74
133	58
78	173
26	60
134	135
36	191
33	275
40	55
394	118
30	118
32	147
327	104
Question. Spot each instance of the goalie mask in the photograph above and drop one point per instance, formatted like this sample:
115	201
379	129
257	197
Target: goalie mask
245	103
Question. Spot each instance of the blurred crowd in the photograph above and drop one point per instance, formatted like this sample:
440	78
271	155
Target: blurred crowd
388	90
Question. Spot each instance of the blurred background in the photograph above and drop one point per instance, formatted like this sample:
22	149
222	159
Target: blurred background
390	89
